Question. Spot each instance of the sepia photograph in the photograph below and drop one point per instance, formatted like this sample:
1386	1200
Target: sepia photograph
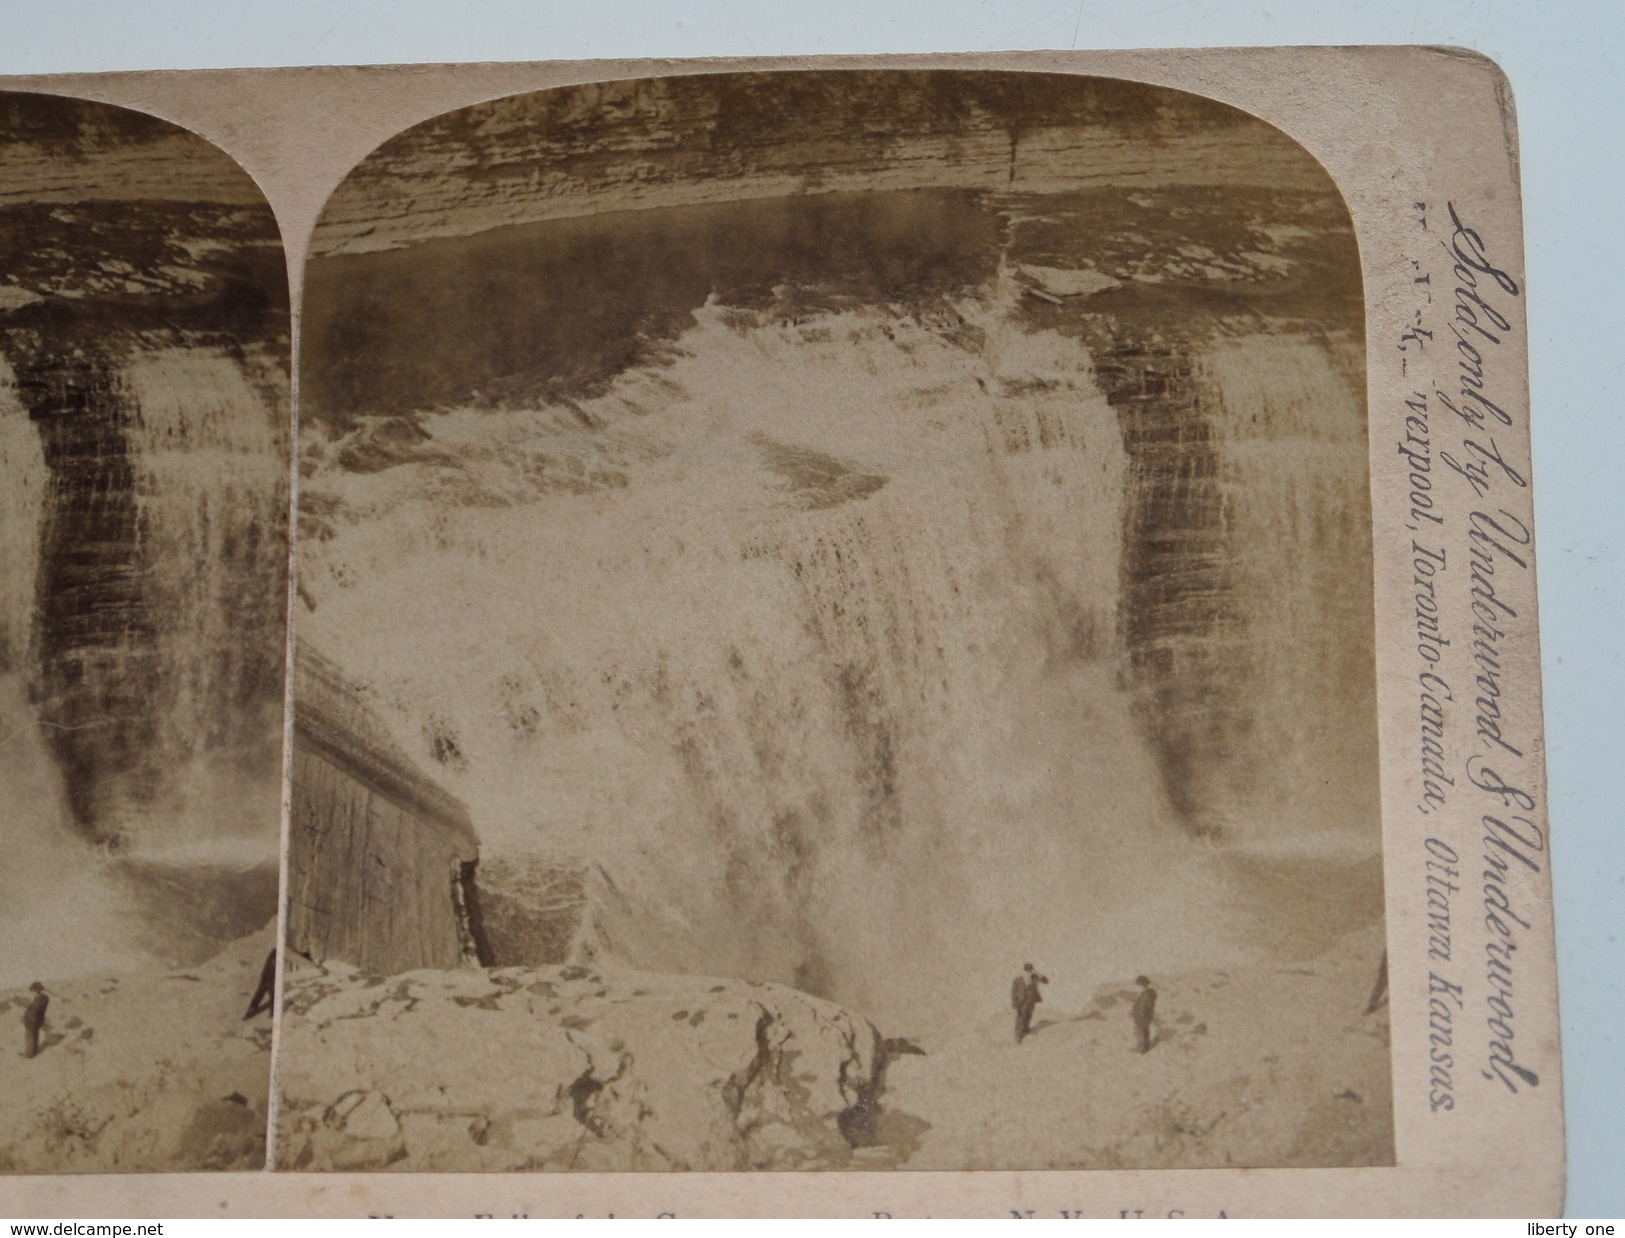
834	631
144	488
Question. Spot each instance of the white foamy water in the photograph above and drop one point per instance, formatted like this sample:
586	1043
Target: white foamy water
207	448
63	913
808	646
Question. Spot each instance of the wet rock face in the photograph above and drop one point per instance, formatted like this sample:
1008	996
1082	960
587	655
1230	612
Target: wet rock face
95	624
566	1068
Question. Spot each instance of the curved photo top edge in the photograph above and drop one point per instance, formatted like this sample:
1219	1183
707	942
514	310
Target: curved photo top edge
781	552
145	426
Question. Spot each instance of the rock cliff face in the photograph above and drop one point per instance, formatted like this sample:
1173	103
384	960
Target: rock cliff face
568	1068
685	140
380	860
532	908
141	1071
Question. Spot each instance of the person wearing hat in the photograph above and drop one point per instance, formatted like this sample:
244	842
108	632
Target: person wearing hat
1024	996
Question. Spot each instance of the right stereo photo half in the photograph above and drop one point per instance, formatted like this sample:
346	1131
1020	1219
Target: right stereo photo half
835	631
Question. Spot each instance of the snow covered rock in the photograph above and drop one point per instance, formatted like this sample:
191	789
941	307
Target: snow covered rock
150	1071
1262	1065
568	1068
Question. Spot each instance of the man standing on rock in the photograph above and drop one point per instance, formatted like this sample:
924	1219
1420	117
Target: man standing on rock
1145	1008
1024	996
34	1019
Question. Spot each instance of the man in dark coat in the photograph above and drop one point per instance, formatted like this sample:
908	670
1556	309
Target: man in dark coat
1145	1009
1024	996
266	993
34	1019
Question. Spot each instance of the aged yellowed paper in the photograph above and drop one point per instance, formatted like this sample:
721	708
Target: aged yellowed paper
910	635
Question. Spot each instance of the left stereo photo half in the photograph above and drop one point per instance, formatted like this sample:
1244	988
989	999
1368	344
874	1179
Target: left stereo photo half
145	415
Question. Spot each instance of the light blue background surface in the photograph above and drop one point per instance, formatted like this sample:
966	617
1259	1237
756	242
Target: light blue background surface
1564	60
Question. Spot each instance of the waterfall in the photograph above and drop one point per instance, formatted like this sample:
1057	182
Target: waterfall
1288	413
207	448
156	653
144	398
63	914
139	687
867	605
823	672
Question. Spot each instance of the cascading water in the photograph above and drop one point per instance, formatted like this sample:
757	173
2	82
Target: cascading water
854	642
34	828
143	448
831	676
62	913
207	449
140	708
1288	413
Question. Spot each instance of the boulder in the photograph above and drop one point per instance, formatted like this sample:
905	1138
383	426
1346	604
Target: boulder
570	1068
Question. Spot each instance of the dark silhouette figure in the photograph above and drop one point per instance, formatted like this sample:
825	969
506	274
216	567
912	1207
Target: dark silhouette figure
265	994
34	1019
1024	996
1145	1009
1379	994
